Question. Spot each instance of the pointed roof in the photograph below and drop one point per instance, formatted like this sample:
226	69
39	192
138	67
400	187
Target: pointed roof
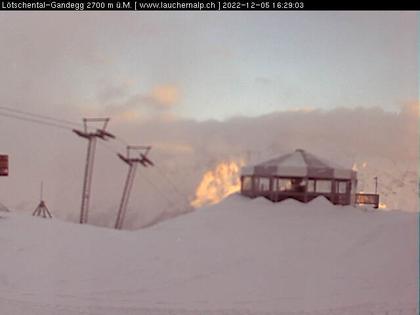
299	164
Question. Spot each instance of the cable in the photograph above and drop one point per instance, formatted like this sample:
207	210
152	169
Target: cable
108	147
63	124
58	120
125	143
33	120
170	202
171	183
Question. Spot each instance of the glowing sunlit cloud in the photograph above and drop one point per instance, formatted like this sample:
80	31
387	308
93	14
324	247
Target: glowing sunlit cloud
166	95
218	183
127	116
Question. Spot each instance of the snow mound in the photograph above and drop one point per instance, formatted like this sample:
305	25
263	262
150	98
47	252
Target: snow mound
320	201
240	256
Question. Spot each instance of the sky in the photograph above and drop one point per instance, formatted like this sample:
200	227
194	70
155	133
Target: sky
202	88
208	65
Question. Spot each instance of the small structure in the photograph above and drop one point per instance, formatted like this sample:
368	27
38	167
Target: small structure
41	210
301	176
367	199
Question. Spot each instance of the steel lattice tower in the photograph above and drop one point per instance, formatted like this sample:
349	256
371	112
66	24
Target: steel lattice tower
90	159
132	166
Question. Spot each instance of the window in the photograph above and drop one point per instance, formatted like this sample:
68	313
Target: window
298	185
323	186
311	185
263	184
284	184
289	184
247	183
342	187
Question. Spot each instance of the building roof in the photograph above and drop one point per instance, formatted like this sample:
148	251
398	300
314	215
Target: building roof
299	164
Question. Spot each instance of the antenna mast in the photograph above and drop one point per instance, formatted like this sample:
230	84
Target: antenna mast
90	157
132	166
376	184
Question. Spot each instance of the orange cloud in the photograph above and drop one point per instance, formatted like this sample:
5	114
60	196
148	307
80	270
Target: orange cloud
166	95
127	116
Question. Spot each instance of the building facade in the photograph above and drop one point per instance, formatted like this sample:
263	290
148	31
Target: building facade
299	175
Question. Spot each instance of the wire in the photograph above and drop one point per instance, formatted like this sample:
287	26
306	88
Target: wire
64	124
108	147
170	202
33	120
62	121
171	183
125	143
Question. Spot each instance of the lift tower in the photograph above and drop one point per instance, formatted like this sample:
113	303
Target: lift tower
132	166
91	137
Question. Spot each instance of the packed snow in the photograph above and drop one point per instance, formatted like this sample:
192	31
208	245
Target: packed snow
240	256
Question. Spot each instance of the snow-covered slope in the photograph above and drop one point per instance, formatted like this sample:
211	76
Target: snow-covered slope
240	256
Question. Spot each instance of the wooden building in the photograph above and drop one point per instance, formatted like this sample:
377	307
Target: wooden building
301	176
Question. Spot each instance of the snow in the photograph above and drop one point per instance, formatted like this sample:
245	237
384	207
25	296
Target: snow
240	256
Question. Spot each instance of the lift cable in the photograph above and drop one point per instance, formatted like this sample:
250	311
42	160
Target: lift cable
45	117
172	184
64	124
56	125
53	122
121	140
170	203
34	120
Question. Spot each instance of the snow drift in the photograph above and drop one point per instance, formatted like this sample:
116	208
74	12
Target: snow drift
240	256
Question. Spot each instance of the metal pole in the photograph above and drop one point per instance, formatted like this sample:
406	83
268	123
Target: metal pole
132	163
125	196
90	158
376	185
87	182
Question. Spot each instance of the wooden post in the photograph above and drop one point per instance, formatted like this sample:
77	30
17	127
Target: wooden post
305	193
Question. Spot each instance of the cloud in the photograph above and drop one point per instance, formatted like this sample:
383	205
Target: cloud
174	148
161	98
125	106
184	150
74	66
165	96
263	81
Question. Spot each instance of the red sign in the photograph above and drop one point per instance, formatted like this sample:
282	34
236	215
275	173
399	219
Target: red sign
4	165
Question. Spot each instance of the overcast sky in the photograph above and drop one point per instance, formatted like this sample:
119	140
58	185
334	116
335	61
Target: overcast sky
207	65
